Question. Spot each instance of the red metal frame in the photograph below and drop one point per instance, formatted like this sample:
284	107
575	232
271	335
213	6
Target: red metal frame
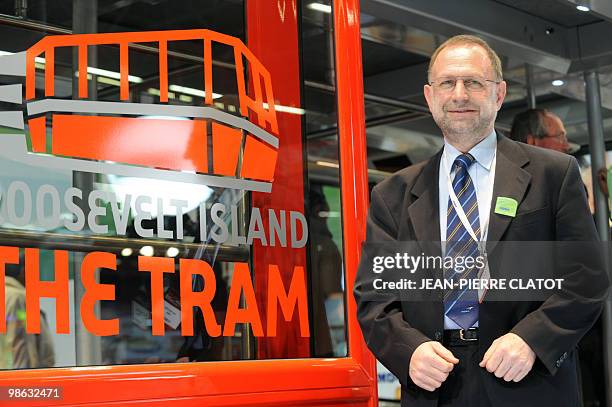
296	382
273	35
353	167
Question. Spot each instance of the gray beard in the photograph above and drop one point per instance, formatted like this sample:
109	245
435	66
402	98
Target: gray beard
464	139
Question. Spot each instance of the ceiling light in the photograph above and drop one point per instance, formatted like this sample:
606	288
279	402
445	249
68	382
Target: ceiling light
186	98
147	251
102	73
91	70
324	8
286	109
156	189
107	81
327	164
172	252
557	82
289	109
192	91
111	74
583	8
156	92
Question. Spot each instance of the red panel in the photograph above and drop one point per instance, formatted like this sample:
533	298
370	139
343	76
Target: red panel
353	166
170	144
273	39
259	160
124	69
163	71
226	149
38	134
83	75
208	68
303	382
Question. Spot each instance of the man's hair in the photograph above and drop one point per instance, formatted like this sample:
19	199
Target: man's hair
474	41
530	121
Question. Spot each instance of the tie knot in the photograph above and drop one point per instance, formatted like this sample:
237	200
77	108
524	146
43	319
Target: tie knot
464	161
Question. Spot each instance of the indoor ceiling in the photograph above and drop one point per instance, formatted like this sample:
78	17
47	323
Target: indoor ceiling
552	36
398	36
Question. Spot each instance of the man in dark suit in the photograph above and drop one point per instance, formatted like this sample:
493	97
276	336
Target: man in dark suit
460	349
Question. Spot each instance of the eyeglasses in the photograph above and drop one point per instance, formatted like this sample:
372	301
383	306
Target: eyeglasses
470	83
560	137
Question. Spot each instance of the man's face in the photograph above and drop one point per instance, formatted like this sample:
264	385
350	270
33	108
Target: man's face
556	137
464	111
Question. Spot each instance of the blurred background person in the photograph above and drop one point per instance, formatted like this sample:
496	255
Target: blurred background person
326	269
21	350
541	128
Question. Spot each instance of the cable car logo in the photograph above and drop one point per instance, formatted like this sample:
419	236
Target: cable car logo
208	146
211	147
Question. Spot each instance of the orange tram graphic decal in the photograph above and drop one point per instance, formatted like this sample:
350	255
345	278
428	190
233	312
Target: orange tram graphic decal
101	136
207	147
291	301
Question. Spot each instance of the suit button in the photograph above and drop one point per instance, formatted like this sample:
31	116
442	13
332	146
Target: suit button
438	335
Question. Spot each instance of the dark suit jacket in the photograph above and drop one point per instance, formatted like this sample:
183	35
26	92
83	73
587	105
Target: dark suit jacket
552	207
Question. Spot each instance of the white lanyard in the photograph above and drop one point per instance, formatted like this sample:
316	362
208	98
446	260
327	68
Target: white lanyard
483	273
457	205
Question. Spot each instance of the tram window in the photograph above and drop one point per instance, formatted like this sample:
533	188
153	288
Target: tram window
164	212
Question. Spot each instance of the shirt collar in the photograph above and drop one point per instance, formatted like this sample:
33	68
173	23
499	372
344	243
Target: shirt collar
483	152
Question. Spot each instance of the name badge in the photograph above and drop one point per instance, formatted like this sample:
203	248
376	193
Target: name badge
506	206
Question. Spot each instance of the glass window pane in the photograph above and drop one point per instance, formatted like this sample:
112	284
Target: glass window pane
168	196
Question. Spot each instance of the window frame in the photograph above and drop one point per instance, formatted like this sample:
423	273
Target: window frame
349	379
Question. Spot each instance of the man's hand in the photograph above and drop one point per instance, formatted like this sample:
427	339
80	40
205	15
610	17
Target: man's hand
509	357
430	365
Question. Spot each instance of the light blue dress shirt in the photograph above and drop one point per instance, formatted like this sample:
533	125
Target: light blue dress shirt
482	173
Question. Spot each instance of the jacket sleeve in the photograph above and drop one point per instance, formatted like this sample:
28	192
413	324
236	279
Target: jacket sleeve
387	334
554	329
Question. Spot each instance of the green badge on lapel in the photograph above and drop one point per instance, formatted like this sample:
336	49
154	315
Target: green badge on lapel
506	206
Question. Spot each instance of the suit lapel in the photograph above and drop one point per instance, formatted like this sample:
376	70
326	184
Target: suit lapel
511	181
424	210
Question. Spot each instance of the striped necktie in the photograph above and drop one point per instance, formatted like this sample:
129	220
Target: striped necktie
461	305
